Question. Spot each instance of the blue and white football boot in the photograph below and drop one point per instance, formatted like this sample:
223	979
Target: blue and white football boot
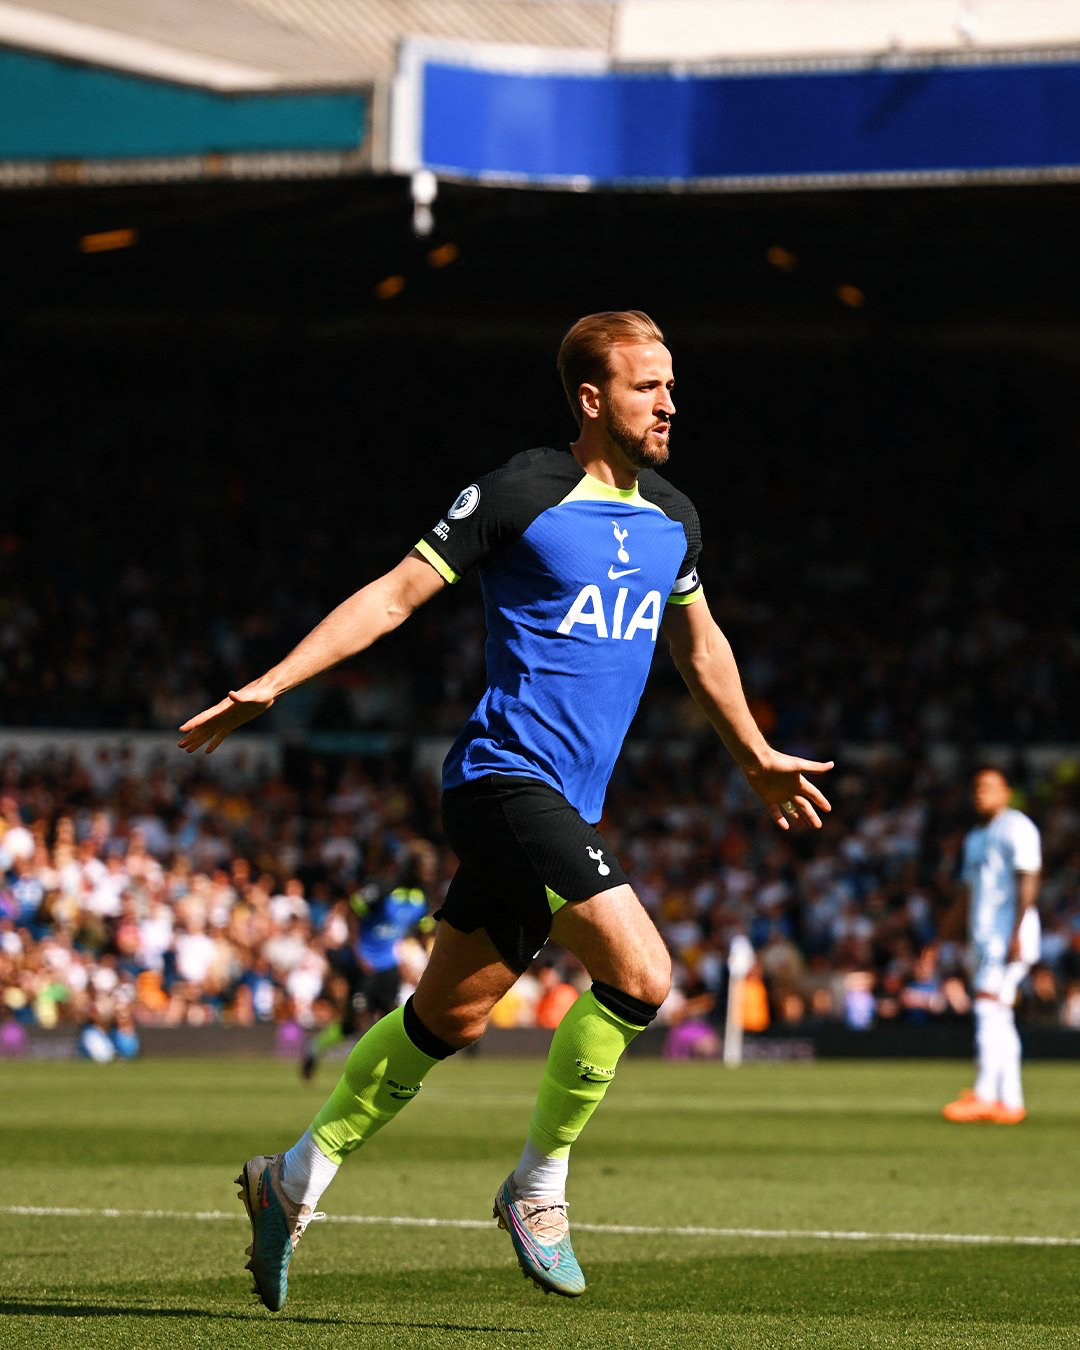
277	1225
540	1232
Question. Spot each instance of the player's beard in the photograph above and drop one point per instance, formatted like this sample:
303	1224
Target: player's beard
642	452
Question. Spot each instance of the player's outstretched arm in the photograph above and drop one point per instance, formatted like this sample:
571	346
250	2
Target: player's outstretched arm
365	617
705	661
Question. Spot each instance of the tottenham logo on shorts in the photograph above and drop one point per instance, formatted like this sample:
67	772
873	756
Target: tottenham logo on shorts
465	504
597	855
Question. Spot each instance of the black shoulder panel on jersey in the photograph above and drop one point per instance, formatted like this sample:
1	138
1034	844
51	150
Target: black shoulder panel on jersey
498	508
678	506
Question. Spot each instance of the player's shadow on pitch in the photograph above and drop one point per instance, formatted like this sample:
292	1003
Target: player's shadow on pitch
56	1308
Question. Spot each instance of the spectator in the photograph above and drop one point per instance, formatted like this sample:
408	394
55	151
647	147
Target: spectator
556	995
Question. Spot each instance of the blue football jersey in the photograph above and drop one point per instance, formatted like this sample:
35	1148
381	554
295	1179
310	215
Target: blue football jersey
385	922
575	576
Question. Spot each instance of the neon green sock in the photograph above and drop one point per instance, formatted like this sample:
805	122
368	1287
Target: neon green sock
581	1063
382	1074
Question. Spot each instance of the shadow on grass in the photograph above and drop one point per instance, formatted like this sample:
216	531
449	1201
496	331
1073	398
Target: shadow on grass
1003	1285
59	1308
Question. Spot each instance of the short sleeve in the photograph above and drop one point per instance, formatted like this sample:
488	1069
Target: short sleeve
467	532
1026	845
678	506
687	587
496	509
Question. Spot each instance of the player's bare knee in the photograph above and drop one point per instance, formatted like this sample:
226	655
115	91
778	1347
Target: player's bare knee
648	980
472	1028
655	981
460	1026
656	971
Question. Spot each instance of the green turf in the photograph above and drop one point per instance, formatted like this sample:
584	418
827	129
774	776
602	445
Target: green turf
839	1147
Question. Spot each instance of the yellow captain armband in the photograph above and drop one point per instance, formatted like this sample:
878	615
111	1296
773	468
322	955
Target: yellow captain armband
440	565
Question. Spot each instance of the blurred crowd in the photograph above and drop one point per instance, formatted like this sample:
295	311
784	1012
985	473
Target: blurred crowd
177	896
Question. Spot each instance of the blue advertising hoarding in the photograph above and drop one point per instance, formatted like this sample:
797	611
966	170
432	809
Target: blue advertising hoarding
938	118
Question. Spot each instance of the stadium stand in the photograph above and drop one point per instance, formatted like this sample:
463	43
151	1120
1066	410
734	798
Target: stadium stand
110	628
176	898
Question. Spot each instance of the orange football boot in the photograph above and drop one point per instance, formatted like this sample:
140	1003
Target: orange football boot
1001	1114
968	1108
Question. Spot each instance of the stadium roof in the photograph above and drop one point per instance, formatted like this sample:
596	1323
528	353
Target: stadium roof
236	45
239	45
215	44
370	30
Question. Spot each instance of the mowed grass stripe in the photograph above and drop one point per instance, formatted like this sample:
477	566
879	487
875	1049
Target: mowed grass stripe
631	1230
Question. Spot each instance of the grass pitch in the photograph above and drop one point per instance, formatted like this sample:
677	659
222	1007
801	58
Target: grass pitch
777	1206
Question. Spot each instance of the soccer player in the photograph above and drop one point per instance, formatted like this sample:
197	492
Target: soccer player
374	979
584	554
1002	862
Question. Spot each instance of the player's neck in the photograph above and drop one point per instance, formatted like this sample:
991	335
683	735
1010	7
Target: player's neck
600	460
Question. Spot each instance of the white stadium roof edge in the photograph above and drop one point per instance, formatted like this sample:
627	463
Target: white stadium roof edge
247	45
234	46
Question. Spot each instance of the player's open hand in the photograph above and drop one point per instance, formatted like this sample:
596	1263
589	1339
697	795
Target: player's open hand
791	797
210	727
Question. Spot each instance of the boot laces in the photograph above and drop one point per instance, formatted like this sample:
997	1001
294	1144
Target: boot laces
300	1221
547	1221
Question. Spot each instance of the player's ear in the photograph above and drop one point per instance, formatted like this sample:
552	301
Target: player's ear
589	398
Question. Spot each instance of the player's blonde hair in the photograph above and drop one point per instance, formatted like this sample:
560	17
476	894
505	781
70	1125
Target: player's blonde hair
584	351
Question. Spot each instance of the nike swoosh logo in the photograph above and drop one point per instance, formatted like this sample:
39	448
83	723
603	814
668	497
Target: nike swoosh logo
407	1096
614	576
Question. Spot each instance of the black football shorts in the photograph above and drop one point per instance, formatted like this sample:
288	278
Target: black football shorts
524	853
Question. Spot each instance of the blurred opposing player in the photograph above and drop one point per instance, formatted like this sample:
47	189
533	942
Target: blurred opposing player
384	919
583	553
1002	863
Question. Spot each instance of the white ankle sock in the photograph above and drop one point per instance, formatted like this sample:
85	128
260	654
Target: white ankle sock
306	1171
539	1175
